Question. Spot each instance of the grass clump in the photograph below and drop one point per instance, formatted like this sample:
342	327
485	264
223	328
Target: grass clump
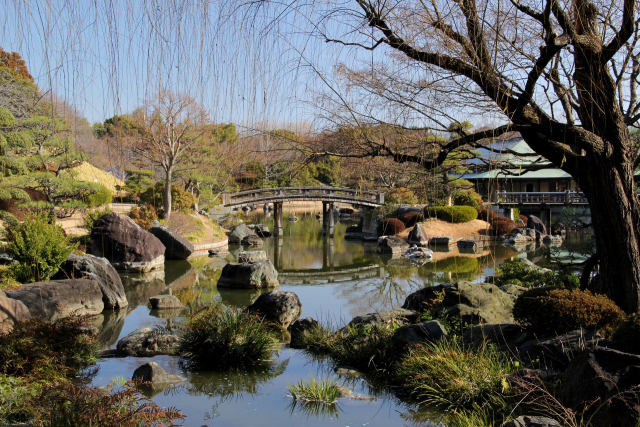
549	311
455	214
319	391
39	247
365	347
223	338
451	376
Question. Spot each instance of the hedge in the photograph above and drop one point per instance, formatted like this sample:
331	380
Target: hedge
451	213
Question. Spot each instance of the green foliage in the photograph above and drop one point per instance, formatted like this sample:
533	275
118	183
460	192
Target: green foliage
364	347
400	195
218	338
39	248
137	181
549	311
455	214
92	216
519	273
6	118
180	200
7	280
468	198
451	376
99	196
144	216
626	336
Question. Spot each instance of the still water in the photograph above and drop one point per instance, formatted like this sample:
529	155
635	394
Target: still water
335	279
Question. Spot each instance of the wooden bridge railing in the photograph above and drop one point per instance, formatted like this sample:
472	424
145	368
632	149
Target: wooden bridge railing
541	198
286	194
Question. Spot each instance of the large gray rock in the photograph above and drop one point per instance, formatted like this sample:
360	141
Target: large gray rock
239	232
440	241
537	224
261	230
609	377
100	270
125	244
153	374
256	274
479	303
557	352
300	329
176	246
280	307
250	256
417	236
393	245
252	240
532	421
420	333
58	299
424	298
146	342
385	317
164	302
502	334
11	312
469	246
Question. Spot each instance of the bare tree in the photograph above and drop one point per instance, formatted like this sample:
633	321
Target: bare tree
170	126
562	73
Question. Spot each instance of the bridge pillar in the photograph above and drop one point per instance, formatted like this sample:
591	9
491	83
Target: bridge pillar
278	241
328	219
277	218
327	253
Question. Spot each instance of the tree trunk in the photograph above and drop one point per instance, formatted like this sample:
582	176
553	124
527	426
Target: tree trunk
167	193
616	224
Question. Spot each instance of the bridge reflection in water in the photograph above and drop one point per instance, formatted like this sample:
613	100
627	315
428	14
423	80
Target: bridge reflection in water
329	273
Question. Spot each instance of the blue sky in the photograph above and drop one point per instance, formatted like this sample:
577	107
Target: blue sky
108	57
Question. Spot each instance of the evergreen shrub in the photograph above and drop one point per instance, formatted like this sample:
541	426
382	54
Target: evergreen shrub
455	214
390	227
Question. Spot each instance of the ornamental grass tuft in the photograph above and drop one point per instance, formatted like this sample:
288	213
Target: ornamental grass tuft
453	377
221	338
319	391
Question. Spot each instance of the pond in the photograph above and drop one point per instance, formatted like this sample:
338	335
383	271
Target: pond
335	279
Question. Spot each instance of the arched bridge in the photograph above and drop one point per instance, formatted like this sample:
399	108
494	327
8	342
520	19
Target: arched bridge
327	195
293	194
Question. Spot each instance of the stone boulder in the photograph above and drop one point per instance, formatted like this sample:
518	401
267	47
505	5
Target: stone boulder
469	246
440	241
552	240
256	274
153	374
423	299
557	352
147	342
609	377
393	245
280	307
57	299
479	303
537	224
176	246
251	240
418	255
385	317
299	330
239	232
125	244
420	333
251	256
532	421
261	230
12	311
164	302
100	270
417	236
504	334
